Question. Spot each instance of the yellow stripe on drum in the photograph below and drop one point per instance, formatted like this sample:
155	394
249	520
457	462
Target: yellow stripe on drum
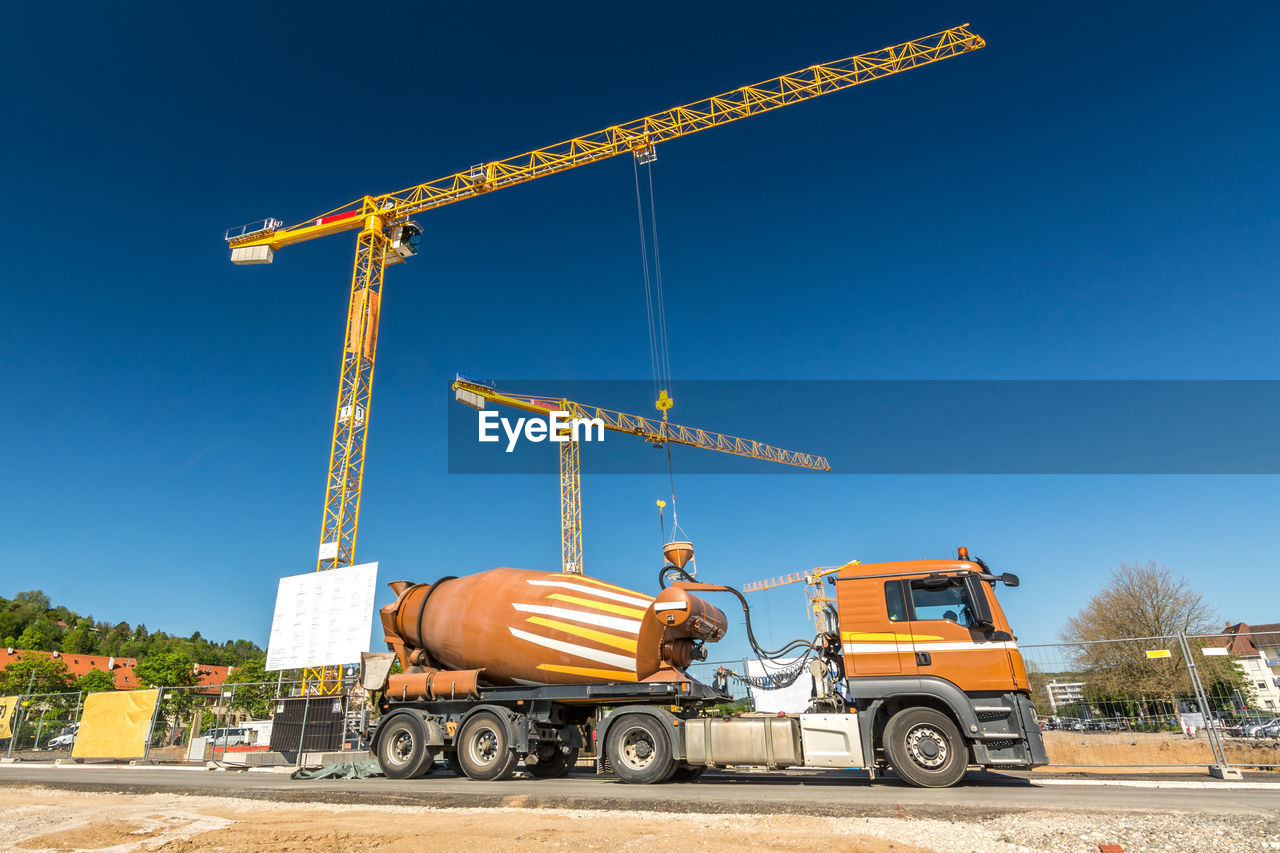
612	674
599	605
628	645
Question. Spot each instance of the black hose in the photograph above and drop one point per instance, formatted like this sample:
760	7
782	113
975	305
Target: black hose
746	612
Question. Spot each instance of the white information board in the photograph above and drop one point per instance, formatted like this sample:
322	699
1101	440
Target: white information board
322	618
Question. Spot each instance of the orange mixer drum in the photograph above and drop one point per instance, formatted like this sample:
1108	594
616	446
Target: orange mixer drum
527	627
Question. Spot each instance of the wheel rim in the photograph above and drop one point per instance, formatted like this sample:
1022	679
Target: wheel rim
927	747
401	748
638	749
483	748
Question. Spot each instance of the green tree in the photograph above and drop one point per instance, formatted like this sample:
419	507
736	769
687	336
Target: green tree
35	675
254	691
38	636
95	681
78	641
169	669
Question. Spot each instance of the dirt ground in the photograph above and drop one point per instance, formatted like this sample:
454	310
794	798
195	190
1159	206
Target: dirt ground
39	819
1103	748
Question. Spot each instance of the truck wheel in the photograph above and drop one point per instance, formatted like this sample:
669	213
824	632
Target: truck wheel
552	762
639	750
402	748
925	748
484	750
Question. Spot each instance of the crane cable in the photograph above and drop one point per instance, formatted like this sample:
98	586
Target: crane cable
656	314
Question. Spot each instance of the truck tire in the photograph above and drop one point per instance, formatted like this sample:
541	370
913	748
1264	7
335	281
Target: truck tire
402	748
552	762
925	748
639	750
484	748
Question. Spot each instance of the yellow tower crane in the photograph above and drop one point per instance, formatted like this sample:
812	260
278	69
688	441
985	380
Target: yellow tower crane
657	432
388	235
814	594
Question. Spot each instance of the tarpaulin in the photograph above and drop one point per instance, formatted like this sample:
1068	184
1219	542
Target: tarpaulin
365	769
115	724
7	704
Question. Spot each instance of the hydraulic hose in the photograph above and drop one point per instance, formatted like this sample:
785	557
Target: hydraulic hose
808	645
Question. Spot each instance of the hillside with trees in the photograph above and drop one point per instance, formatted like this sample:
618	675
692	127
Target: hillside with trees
30	621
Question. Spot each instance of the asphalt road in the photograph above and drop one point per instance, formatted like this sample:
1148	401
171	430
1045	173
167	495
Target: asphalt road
835	793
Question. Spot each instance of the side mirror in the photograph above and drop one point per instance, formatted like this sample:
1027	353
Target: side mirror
978	602
1009	579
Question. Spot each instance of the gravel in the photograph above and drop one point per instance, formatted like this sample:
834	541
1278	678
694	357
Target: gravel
1159	832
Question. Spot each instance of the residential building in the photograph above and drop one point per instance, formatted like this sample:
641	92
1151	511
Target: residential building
209	677
1257	649
1064	693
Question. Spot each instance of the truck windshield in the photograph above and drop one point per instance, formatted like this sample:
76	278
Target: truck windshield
950	602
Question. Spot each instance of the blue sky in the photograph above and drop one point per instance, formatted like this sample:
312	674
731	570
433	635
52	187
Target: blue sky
1090	197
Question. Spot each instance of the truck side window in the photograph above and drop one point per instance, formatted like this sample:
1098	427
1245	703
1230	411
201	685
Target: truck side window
950	602
894	601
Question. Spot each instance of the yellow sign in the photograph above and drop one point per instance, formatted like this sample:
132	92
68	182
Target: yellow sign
1159	653
7	704
115	724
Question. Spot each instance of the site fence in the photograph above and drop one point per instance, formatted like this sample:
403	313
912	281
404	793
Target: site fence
705	671
1175	700
199	724
1162	701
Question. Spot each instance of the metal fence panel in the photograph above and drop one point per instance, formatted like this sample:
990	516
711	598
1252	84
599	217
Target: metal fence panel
1143	702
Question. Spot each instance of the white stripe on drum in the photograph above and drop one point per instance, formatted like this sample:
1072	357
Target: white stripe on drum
631	626
603	593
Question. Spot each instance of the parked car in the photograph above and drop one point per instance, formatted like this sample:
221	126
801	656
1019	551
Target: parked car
64	739
1272	730
1256	728
227	737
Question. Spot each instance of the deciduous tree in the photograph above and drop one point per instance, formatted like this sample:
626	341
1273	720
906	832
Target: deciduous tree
1143	607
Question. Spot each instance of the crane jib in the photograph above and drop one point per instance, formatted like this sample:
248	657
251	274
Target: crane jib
638	137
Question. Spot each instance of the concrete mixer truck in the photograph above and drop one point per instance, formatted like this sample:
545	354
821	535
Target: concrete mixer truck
918	672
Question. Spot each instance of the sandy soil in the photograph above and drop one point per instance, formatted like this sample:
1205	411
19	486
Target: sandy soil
38	819
1102	748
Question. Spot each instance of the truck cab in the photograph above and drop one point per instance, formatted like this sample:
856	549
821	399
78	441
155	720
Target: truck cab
934	670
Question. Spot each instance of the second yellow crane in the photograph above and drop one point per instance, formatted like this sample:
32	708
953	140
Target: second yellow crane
475	393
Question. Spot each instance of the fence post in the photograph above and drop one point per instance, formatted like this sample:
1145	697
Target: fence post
302	735
151	730
18	713
1221	770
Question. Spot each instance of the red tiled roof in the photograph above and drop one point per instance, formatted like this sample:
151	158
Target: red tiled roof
1237	640
209	677
1266	635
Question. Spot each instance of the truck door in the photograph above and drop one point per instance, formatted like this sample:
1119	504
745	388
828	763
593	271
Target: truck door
949	638
875	633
